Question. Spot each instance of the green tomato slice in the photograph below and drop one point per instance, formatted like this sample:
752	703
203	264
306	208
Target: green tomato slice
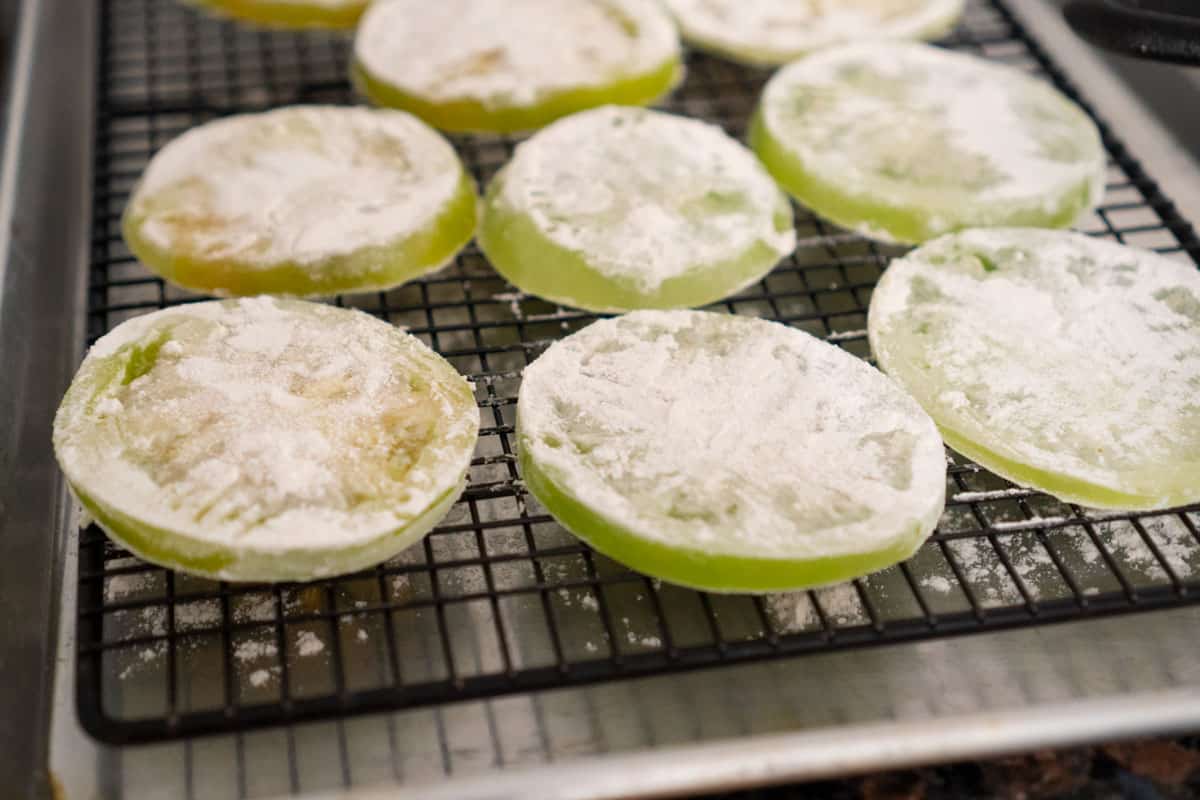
905	142
289	13
621	208
264	439
307	200
772	32
483	66
727	453
1061	362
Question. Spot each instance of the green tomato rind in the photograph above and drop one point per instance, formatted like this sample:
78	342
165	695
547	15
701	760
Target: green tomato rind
367	269
180	551
701	569
287	15
1066	487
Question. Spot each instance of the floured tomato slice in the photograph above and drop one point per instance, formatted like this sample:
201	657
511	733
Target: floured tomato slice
728	453
770	32
265	440
621	208
306	200
1062	362
516	65
906	142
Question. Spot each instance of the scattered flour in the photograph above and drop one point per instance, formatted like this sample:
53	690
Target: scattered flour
514	302
308	643
259	677
648	640
144	657
252	649
118	587
581	597
985	573
199	614
1179	548
1033	564
992	494
794	612
153	621
254	608
938	583
635	638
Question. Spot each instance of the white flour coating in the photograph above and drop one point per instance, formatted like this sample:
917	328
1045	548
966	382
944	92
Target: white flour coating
779	31
277	425
259	678
309	644
512	53
646	196
731	435
295	185
794	612
1128	546
254	649
198	615
991	582
1054	350
962	140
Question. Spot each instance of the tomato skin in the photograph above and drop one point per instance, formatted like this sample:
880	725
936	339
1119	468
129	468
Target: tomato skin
288	14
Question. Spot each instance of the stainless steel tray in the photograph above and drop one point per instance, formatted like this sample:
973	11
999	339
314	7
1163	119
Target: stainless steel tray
783	695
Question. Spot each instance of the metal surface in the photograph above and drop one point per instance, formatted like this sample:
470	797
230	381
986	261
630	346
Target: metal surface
1153	101
816	716
938	698
1163	30
44	202
772	759
500	599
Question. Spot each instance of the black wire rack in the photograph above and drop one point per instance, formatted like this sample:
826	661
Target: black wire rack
498	598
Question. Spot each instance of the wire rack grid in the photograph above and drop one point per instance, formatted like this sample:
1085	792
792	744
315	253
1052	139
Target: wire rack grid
499	599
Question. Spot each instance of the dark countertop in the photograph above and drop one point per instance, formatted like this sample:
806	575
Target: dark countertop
1142	770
